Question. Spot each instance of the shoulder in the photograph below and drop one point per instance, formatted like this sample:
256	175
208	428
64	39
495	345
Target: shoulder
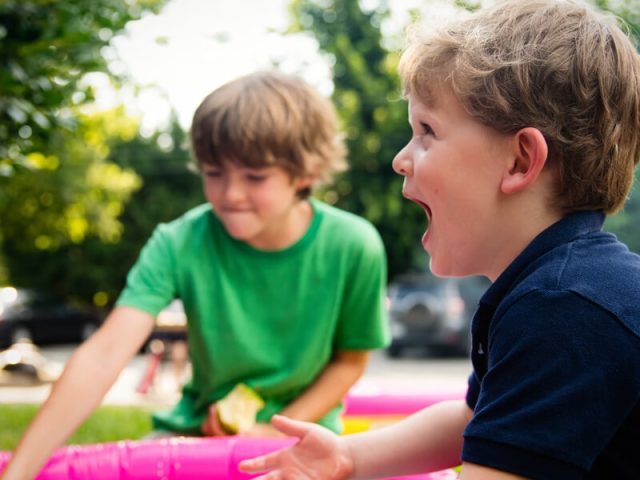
196	219
346	226
182	236
597	269
193	217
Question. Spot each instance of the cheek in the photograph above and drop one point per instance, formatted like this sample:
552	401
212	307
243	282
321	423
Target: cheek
211	191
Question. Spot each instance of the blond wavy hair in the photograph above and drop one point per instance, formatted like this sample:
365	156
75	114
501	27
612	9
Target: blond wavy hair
556	65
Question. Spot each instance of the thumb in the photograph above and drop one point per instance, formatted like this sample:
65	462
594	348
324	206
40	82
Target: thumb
290	427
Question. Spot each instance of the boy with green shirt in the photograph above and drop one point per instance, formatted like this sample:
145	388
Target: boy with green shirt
282	292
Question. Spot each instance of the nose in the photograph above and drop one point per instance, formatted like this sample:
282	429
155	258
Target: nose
233	189
402	163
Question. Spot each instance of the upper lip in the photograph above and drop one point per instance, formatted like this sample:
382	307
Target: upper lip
408	196
426	207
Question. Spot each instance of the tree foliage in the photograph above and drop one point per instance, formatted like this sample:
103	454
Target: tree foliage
46	49
72	192
57	187
93	270
367	95
169	188
625	224
374	116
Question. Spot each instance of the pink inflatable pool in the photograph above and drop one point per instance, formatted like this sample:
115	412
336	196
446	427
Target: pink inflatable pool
378	403
167	459
367	406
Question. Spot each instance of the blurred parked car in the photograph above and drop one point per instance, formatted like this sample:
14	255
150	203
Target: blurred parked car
42	318
432	313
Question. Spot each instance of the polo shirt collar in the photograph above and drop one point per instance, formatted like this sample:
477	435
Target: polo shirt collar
565	230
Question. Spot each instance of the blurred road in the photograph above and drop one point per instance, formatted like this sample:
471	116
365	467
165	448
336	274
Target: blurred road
407	375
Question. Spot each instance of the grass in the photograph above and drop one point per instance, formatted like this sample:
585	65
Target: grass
108	423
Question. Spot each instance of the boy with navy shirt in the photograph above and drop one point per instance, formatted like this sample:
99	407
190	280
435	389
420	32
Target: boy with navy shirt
526	133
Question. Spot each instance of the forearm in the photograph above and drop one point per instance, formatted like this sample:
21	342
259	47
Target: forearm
89	374
77	392
429	440
329	388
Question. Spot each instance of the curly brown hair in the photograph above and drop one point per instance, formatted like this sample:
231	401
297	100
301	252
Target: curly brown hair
556	65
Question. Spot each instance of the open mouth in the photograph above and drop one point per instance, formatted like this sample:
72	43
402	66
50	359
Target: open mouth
425	207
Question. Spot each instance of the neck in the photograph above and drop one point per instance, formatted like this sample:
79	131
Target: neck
517	230
289	230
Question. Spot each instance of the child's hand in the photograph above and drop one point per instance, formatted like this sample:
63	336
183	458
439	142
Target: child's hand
320	454
211	426
262	430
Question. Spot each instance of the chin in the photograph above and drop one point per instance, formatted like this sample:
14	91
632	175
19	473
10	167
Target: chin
440	270
241	236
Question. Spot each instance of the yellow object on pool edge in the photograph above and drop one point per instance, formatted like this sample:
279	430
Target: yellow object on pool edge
237	411
362	423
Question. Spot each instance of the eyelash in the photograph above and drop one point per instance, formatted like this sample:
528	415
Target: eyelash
426	129
250	177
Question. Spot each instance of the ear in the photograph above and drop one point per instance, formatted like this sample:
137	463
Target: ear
300	183
529	158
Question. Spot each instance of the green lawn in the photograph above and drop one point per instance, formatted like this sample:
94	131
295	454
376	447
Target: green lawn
107	424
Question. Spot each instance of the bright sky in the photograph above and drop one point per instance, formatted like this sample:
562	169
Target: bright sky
204	43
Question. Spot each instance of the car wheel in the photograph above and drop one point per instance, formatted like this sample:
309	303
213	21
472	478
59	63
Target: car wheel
88	329
21	334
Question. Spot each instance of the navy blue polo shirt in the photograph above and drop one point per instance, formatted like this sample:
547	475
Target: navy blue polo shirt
556	357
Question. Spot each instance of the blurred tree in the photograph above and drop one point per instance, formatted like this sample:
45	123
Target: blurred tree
72	191
93	270
169	188
46	50
73	194
625	224
374	115
56	186
367	95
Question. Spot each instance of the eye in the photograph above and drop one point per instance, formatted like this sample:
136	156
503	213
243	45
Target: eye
256	177
426	129
213	173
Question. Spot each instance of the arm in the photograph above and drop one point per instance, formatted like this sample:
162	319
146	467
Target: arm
429	440
330	387
92	369
322	395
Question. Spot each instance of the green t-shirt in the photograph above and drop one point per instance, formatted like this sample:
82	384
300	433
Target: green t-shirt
269	319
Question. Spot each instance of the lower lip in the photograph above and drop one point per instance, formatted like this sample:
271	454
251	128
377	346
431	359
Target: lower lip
427	232
425	239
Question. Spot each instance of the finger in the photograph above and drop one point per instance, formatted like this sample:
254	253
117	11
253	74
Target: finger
260	464
214	422
205	428
290	427
270	476
210	426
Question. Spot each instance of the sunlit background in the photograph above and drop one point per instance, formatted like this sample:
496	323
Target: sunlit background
177	57
96	100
